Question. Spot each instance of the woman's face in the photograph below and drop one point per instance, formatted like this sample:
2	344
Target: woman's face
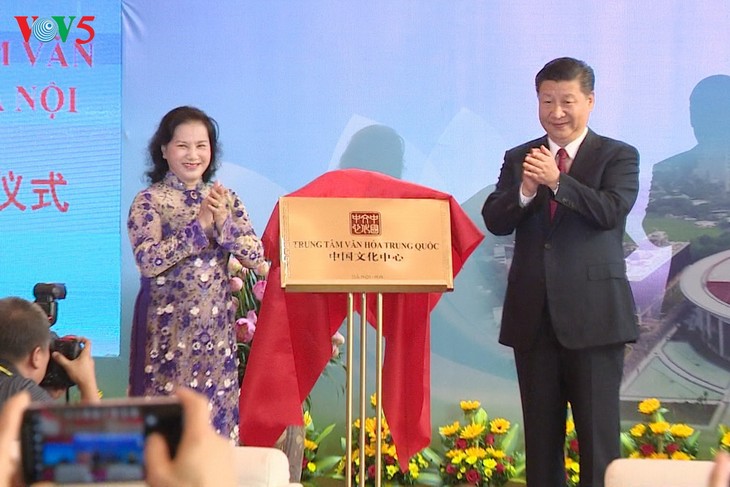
188	152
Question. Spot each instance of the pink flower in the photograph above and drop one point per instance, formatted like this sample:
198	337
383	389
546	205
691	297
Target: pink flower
259	288
337	340
472	476
672	447
461	444
246	327
234	265
236	284
263	269
647	450
489	439
450	469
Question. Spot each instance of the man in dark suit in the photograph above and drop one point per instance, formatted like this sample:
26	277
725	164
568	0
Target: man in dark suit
568	309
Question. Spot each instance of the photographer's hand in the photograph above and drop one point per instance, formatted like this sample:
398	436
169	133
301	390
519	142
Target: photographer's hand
10	419
203	459
81	371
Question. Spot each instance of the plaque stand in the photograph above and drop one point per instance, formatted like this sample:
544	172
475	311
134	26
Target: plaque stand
404	246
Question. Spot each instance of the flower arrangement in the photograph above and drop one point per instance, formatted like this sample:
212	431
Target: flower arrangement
391	471
481	452
248	287
572	452
312	466
657	438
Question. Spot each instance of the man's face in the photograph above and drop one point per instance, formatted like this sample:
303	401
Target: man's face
564	110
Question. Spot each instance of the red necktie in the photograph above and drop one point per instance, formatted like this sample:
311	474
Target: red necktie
562	161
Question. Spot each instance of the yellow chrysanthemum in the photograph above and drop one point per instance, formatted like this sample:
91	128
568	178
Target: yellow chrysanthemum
659	428
571	465
391	470
649	406
726	439
450	429
312	467
680	455
638	430
635	454
574	479
309	444
468	406
472	431
374	400
569	426
453	453
681	430
489	463
307	419
370	450
388	450
659	456
495	453
499	426
457	457
476	451
370	426
414	470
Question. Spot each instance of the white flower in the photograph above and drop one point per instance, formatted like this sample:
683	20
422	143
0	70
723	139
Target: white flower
227	352
196	346
181	345
227	383
148	369
212	262
169	356
160	280
198	262
220	393
204	277
194	311
154	353
194	383
221	344
168	387
214	311
209	346
208	384
160	311
169	308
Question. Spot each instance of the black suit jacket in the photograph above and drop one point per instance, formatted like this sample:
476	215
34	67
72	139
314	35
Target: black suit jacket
576	261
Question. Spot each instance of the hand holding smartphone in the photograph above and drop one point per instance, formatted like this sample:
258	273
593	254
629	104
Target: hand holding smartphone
90	443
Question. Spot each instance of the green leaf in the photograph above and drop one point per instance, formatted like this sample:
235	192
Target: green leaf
508	441
325	432
325	464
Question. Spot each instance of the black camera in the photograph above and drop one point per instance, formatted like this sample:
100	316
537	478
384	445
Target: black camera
46	295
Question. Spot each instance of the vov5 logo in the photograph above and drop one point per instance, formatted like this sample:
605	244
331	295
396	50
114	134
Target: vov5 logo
45	29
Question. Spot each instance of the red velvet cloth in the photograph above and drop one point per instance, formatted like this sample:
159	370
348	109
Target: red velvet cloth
294	330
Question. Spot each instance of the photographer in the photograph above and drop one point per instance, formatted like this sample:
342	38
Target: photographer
25	340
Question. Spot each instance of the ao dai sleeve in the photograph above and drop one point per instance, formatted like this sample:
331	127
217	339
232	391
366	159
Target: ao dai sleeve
238	237
153	252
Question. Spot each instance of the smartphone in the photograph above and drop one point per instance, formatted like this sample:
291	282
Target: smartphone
92	443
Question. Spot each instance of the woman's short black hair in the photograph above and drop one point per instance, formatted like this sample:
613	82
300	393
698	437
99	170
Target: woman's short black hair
165	131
